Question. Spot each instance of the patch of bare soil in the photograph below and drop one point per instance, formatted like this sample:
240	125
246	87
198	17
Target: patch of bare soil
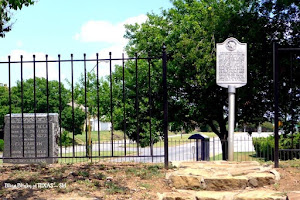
104	181
289	176
83	181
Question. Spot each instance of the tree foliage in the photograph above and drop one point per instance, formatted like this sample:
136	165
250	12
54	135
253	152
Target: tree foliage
86	91
190	30
40	105
6	8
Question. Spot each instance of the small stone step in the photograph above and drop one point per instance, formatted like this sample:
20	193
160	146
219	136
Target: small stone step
214	164
221	176
221	195
218	183
226	183
260	195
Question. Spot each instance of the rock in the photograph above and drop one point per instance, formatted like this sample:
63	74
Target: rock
109	178
213	195
226	183
253	182
74	173
260	195
293	195
186	182
221	175
276	174
176	196
261	179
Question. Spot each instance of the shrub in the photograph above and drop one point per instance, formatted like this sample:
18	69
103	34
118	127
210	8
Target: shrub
264	147
1	145
65	139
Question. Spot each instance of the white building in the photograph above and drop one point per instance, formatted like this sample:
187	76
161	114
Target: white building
104	126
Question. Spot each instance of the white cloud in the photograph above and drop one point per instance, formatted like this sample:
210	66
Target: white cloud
105	31
112	34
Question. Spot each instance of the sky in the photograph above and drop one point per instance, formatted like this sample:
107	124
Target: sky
67	27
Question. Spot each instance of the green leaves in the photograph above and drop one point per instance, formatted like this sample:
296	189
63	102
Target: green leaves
40	105
190	30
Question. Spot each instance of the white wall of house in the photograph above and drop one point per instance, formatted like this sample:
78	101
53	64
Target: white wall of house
104	126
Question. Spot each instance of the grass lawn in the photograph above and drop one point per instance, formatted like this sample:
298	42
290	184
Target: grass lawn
176	139
240	156
186	136
119	135
104	136
94	153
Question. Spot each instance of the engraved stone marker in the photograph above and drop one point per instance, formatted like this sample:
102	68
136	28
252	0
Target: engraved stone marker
231	63
38	139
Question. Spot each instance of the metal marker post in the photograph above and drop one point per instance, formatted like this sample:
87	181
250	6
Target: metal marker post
231	99
231	71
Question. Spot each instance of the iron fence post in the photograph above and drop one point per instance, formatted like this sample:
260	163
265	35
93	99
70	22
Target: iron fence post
137	105
22	107
9	96
165	107
275	81
111	105
48	107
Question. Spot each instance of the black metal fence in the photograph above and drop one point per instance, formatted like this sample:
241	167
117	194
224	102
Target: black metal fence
47	101
293	53
14	100
245	149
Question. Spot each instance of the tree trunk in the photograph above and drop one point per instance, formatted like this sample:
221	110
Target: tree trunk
224	143
223	135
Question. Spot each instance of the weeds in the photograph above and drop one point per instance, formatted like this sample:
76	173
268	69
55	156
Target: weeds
112	188
145	173
100	176
89	184
276	186
84	173
146	185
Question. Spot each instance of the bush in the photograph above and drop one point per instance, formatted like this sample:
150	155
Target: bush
1	145
65	139
264	147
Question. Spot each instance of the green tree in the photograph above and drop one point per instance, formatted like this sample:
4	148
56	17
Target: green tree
129	100
4	108
71	125
6	6
89	84
40	106
139	101
190	30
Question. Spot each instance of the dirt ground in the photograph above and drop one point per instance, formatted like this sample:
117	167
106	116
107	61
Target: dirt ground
104	181
289	176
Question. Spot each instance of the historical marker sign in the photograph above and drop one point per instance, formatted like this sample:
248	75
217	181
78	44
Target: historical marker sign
231	74
39	139
231	63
